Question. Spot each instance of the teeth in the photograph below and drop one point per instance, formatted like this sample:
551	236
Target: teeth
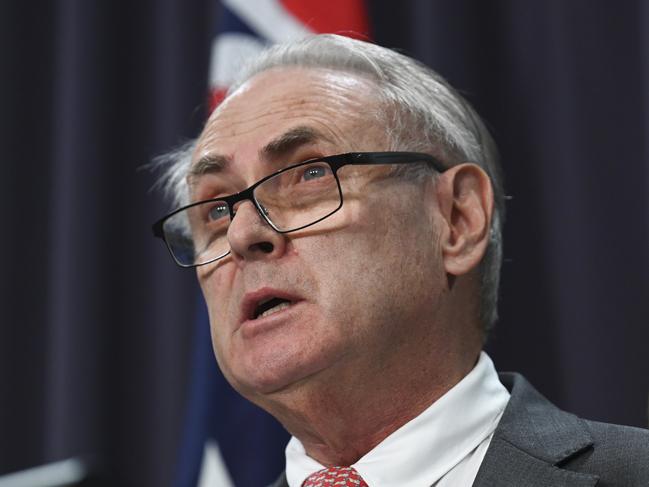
275	309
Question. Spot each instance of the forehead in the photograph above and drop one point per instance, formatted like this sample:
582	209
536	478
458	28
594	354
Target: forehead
340	107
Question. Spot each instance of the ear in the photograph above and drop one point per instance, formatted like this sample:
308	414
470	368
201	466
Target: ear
465	198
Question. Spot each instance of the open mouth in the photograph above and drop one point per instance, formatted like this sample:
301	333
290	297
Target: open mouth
270	306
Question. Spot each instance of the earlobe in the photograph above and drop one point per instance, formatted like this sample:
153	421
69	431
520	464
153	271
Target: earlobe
465	199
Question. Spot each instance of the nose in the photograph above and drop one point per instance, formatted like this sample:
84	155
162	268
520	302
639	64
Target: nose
251	237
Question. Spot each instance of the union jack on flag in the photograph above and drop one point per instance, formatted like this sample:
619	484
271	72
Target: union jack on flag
247	26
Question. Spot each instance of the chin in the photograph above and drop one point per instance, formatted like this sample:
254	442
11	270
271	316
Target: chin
276	370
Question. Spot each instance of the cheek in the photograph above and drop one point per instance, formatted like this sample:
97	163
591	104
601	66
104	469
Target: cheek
380	267
345	262
211	289
217	286
217	295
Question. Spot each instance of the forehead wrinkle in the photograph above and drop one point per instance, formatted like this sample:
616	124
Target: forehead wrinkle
316	99
234	124
321	126
318	82
314	104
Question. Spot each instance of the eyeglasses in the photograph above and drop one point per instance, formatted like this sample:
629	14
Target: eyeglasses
291	199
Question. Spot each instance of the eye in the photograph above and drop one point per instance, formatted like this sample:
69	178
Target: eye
219	210
315	172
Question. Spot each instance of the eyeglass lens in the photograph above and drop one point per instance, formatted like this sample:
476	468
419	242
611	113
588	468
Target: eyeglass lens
290	200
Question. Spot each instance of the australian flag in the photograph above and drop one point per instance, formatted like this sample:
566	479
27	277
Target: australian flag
227	441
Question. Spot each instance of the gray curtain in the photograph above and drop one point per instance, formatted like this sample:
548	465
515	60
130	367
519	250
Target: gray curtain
95	322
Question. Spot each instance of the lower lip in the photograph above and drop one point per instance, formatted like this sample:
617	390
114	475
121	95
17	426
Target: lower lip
251	328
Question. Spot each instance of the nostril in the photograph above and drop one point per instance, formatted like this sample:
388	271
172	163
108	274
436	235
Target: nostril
266	247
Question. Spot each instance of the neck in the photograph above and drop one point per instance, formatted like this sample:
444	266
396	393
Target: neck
338	422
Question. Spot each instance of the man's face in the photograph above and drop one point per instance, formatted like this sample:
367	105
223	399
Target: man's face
359	287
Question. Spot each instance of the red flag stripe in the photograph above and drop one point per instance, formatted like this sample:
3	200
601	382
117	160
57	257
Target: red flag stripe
346	17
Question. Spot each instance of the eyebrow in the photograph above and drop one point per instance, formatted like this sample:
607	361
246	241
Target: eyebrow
211	163
289	141
280	147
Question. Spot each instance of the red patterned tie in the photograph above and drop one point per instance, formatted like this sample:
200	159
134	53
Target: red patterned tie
335	477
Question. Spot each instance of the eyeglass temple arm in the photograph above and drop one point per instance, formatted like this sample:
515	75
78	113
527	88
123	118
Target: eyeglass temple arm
397	158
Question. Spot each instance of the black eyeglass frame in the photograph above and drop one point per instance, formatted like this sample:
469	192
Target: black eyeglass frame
335	162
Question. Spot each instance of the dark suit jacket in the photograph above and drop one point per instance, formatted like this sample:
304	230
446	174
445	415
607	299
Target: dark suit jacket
538	445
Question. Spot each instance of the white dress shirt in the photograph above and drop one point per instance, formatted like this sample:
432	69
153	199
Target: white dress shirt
442	447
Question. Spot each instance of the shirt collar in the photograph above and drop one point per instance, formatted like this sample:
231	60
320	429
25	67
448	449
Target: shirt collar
423	450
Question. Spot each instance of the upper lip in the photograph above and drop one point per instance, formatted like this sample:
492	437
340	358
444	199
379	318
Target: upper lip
252	299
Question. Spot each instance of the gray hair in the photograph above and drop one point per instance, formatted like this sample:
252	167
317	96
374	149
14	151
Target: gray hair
421	112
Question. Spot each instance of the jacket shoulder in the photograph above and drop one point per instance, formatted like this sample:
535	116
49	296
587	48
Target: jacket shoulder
544	445
619	455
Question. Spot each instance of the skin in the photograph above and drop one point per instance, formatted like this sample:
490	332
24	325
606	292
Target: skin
388	315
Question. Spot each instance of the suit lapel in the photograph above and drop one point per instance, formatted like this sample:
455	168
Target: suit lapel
532	442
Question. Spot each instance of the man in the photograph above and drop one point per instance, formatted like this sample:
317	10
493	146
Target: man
343	210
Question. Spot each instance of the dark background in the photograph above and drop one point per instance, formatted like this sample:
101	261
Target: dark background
96	322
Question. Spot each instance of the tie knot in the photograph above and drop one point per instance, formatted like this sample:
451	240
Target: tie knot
335	477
